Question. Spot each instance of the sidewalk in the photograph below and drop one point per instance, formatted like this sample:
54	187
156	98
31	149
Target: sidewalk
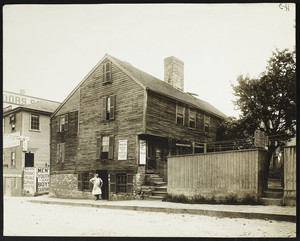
278	213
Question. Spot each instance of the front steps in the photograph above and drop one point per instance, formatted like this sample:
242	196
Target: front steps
160	187
274	194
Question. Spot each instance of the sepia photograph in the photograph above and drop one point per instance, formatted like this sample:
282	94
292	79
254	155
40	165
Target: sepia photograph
149	120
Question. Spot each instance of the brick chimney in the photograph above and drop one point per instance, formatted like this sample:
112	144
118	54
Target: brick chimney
174	74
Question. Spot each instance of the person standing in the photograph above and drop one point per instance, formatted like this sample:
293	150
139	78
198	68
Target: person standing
97	182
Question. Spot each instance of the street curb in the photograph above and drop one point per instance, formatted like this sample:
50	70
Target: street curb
214	213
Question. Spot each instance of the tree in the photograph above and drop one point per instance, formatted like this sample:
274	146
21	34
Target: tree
269	102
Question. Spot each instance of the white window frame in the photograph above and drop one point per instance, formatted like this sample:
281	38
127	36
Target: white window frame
39	124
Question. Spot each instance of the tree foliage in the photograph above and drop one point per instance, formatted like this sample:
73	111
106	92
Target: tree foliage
270	100
267	102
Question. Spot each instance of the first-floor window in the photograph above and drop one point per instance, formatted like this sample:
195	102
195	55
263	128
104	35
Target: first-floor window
35	122
60	152
121	183
84	183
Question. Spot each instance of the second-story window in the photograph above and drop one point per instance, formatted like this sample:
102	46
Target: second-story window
192	119
206	123
105	147
106	72
180	114
108	107
63	123
35	122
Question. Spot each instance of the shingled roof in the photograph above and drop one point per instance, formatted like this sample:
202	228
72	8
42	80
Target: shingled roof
152	83
42	106
161	87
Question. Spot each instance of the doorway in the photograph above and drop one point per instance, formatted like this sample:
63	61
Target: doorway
103	174
29	159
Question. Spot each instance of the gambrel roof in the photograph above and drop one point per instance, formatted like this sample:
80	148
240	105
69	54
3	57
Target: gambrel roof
154	84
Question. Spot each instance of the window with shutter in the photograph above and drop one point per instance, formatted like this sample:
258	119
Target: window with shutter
192	119
121	181
108	107
79	181
107	72
63	148
63	123
180	114
98	148
112	107
129	184
206	123
111	147
112	183
58	153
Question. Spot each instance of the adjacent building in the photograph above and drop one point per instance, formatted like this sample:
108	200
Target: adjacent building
121	123
26	139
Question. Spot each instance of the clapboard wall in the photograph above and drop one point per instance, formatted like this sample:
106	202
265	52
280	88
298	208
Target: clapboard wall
289	191
218	174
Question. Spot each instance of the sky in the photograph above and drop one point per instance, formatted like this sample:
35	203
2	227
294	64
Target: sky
49	49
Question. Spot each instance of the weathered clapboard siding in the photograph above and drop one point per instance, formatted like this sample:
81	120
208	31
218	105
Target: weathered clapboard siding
161	120
219	174
70	139
125	126
289	191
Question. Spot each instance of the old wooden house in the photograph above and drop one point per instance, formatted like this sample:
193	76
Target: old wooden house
122	122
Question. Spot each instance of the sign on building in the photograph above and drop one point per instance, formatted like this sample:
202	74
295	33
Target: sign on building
11	140
122	153
42	180
29	180
142	152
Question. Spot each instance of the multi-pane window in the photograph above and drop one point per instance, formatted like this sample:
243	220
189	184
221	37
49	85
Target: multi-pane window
206	123
60	152
108	107
35	122
63	123
85	181
192	119
13	159
121	183
180	114
105	147
106	72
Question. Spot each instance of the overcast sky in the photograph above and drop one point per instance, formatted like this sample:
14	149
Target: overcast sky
49	49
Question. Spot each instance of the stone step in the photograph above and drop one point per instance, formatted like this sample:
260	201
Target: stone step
271	201
157	179
273	194
162	188
159	193
156	197
275	189
159	183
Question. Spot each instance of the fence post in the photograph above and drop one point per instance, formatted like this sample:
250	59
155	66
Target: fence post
205	147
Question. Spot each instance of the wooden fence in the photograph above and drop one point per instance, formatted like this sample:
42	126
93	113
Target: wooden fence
219	174
289	191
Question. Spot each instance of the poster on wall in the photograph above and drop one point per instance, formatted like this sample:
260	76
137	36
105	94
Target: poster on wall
122	153
142	152
29	179
43	180
11	140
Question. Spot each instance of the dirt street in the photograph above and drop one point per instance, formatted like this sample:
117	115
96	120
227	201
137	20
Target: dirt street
22	218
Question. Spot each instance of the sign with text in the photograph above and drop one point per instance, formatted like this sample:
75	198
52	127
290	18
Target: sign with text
11	140
142	152
122	153
43	179
29	179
